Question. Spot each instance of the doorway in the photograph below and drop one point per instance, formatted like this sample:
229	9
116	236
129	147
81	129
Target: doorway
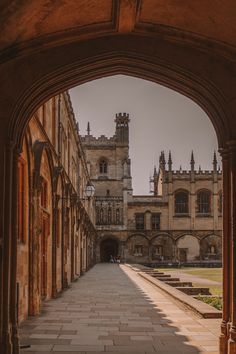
108	248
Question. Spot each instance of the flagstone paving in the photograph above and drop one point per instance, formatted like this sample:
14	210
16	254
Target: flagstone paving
112	309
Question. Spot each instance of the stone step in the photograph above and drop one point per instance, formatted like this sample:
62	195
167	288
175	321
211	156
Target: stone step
161	275
167	279
150	273
179	283
194	290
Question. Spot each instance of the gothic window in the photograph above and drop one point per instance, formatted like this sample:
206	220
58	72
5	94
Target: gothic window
181	202
204	202
139	221
155	219
21	200
117	216
103	167
44	194
138	250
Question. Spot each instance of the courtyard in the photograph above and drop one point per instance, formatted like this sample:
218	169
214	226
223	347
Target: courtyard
112	309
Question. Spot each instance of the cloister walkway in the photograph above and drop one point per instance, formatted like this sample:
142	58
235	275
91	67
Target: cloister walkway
112	309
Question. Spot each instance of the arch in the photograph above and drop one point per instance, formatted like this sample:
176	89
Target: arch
184	234
109	248
188	248
211	247
136	234
165	234
137	247
38	149
162	247
137	62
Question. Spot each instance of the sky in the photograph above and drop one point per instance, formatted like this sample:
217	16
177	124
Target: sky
160	119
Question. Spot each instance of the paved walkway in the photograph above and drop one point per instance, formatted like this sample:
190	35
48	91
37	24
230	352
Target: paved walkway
112	309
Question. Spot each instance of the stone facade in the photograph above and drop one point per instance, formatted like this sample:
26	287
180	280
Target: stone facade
56	234
180	222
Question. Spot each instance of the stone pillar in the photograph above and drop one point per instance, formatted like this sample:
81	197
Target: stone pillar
232	249
7	263
13	299
226	251
34	236
55	230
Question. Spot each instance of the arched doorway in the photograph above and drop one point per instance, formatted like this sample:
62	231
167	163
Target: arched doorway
199	65
108	247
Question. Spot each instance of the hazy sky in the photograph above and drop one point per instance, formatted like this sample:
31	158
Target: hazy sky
161	119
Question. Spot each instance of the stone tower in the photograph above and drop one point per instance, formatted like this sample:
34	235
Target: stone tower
110	172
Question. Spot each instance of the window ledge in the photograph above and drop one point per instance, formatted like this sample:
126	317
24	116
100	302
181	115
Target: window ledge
181	215
202	215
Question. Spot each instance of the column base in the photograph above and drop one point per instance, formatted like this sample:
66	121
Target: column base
231	346
224	337
6	345
223	344
232	341
15	341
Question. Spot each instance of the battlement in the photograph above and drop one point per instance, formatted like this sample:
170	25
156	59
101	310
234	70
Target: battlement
122	116
101	140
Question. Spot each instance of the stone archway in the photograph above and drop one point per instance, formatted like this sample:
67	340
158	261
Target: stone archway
196	63
108	247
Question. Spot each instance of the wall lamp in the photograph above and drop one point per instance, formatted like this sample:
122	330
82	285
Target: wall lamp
88	192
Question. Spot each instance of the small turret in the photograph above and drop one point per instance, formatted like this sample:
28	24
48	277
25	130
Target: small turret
170	162
214	162
122	128
192	162
155	172
162	161
88	129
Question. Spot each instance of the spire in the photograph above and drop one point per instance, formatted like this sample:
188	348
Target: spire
162	161
199	169
192	162
88	129
180	168
155	172
170	161
214	162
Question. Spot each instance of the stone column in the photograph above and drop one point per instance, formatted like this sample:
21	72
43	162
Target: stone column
13	299
56	199
7	263
34	237
226	251
232	249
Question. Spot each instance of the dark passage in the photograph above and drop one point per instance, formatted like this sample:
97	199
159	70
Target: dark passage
108	247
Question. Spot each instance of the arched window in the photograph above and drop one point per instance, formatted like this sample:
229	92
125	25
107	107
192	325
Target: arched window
117	216
204	202
103	166
181	202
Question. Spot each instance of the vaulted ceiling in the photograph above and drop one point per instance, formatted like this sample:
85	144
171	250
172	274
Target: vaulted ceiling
26	22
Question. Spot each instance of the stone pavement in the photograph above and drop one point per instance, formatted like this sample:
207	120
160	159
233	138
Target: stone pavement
112	309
